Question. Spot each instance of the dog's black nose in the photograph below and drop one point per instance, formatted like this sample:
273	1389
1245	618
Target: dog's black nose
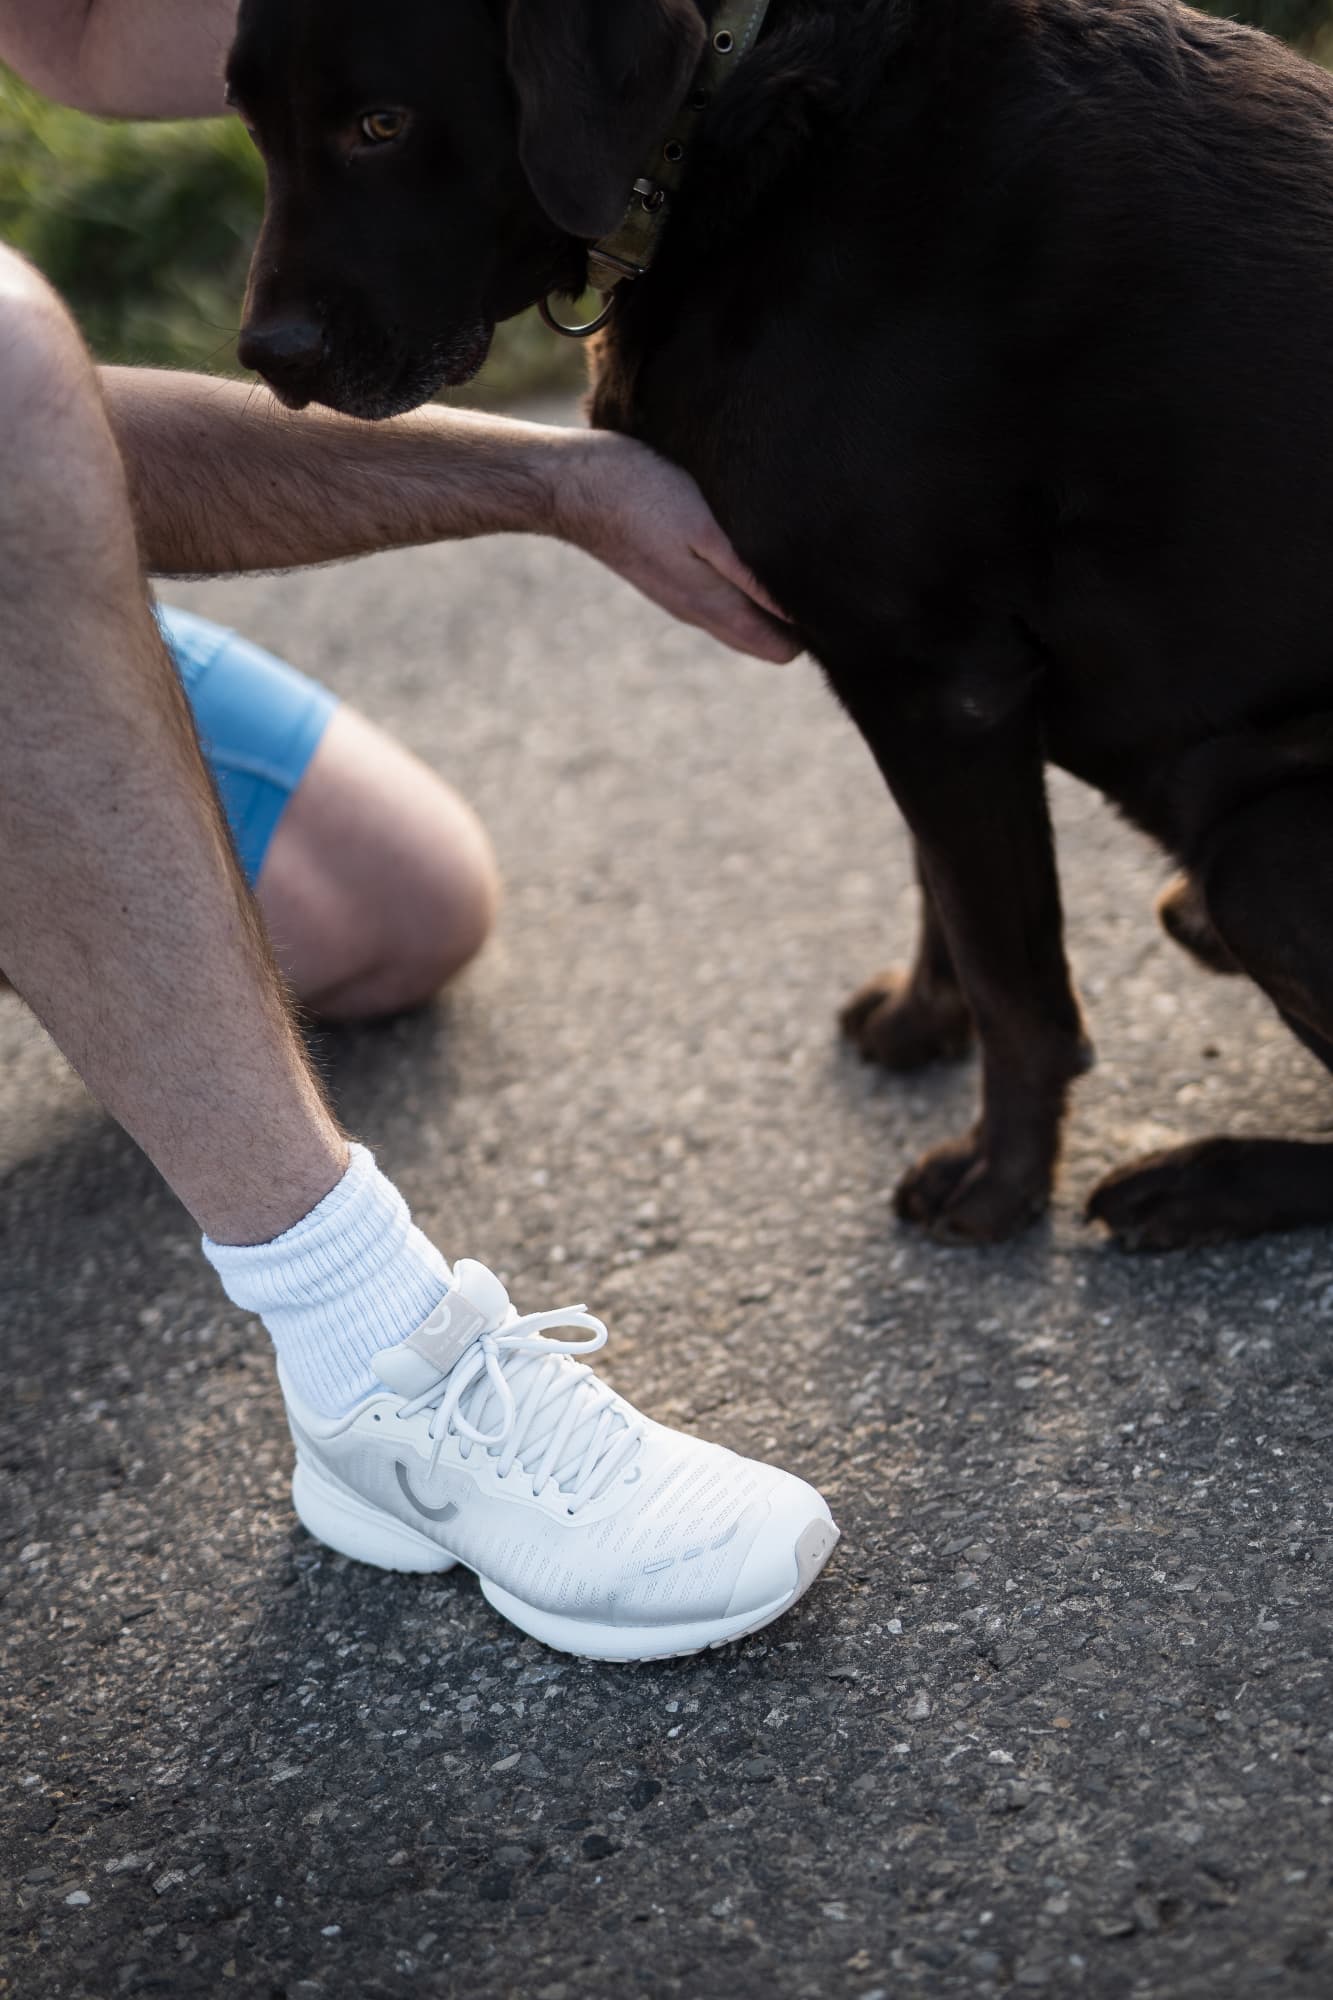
288	353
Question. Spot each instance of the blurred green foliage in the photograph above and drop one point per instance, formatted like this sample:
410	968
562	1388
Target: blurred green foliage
146	229
1305	22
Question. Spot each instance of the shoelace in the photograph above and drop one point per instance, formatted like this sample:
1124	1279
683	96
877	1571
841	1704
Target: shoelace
559	1400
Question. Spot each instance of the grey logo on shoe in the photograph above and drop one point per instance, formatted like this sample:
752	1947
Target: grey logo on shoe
445	1513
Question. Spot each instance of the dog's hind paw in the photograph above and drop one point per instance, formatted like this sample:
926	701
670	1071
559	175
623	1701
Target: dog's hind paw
903	1022
1213	1191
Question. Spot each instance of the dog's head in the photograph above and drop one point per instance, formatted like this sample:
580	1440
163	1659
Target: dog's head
435	166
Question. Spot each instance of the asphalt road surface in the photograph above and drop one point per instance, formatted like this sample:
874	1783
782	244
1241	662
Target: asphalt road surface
1056	1720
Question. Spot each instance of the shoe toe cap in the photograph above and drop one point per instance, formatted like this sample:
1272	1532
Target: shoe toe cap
790	1548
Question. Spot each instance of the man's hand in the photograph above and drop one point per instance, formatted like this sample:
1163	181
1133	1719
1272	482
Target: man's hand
648	521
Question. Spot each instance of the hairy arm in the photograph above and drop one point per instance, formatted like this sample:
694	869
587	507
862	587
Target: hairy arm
223	479
122	58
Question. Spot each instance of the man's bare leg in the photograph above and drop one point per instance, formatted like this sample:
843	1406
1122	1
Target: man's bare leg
380	883
123	921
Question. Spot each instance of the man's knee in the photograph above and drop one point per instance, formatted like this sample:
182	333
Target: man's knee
381	883
448	911
64	510
441	895
45	372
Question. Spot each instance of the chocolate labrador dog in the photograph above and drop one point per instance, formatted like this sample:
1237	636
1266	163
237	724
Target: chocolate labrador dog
999	334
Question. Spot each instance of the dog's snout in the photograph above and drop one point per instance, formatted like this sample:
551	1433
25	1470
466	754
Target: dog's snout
288	353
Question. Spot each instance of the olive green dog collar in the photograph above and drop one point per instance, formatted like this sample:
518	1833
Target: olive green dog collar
630	248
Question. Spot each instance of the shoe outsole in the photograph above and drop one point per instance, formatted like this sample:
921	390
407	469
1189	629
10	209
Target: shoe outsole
354	1528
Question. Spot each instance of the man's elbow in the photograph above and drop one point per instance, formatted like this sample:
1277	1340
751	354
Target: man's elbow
96	69
48	49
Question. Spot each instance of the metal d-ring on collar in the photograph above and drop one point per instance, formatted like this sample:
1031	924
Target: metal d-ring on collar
626	254
588	328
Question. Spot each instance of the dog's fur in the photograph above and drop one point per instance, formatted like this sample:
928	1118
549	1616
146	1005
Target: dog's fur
999	334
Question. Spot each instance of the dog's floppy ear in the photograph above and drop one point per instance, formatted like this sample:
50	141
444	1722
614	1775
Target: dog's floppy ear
597	82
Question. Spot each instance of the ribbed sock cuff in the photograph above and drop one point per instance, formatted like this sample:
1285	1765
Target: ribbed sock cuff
353	1276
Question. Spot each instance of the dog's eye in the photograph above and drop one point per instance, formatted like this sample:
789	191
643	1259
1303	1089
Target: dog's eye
381	128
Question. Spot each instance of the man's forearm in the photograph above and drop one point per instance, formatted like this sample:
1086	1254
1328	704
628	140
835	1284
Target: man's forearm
122	58
223	479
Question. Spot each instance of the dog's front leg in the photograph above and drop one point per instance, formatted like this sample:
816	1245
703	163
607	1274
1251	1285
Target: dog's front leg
904	1020
962	753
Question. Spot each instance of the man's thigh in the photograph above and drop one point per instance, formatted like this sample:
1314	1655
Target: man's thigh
260	723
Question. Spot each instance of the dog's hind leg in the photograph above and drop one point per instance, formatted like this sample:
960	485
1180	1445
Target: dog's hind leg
905	1020
1183	915
1266	877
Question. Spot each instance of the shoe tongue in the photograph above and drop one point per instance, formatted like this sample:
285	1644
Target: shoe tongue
478	1303
409	1375
475	1303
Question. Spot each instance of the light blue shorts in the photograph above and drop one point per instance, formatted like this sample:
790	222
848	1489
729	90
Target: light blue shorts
260	722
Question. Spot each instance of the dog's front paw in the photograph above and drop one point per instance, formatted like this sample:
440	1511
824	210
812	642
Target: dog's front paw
960	1195
904	1023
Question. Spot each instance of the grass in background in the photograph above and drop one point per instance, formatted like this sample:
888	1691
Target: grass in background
146	229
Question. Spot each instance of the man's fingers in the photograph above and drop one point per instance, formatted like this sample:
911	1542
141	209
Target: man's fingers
648	521
731	615
717	552
757	642
747	617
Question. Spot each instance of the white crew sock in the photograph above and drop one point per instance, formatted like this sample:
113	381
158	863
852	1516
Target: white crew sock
351	1277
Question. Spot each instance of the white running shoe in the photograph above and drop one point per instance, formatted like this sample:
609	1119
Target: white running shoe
592	1528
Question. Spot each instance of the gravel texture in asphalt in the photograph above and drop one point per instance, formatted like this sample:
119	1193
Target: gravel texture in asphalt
1056	1719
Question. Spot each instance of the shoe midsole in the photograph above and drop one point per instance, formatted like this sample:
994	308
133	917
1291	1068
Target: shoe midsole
340	1519
592	1641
